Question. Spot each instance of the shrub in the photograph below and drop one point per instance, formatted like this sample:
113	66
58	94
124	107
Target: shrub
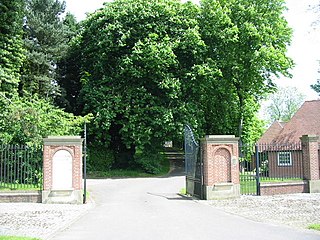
150	162
99	158
28	120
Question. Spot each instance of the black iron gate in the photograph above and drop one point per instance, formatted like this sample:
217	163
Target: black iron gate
193	164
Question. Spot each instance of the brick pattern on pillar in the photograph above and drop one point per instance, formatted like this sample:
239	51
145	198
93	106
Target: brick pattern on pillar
310	149
47	168
218	163
222	166
76	153
77	168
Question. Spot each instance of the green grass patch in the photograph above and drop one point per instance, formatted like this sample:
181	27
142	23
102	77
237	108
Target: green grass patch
117	173
18	186
183	191
17	238
315	226
248	187
248	182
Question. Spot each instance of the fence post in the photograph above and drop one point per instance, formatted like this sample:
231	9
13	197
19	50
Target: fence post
62	170
310	158
85	164
257	169
220	166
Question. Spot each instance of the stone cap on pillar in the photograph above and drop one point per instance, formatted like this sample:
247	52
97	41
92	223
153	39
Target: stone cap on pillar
220	139
63	140
309	138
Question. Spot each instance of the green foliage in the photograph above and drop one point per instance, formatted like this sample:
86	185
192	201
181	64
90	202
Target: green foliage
68	69
136	56
99	158
148	67
248	43
11	45
118	173
315	226
253	127
46	36
17	238
150	162
28	120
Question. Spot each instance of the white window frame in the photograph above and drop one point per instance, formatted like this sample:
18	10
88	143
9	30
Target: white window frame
286	161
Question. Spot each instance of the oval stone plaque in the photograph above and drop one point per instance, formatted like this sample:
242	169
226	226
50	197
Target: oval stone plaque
62	170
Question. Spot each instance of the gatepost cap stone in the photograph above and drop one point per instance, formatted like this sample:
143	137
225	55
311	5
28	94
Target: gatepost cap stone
63	140
220	138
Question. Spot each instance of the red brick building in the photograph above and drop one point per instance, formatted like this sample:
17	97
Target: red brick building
282	140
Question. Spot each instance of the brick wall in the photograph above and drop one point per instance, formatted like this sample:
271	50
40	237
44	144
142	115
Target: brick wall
283	188
21	196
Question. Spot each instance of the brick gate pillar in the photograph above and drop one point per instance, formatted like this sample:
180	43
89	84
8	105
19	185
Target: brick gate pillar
220	166
310	147
62	170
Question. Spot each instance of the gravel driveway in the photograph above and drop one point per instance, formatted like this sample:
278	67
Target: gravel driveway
295	210
36	219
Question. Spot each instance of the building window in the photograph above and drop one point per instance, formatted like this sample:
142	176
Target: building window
284	159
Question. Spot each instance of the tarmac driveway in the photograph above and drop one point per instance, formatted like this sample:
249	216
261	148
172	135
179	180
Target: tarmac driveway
150	208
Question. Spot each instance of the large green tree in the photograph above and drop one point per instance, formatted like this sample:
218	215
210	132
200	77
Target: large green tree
149	67
11	45
136	56
248	41
68	69
46	39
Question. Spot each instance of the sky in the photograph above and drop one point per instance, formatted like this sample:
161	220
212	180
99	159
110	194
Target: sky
304	48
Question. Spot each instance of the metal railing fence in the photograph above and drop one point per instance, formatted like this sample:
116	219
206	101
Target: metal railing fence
269	163
20	167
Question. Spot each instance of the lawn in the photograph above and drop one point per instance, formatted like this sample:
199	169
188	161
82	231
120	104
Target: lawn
315	226
117	173
17	238
18	186
248	182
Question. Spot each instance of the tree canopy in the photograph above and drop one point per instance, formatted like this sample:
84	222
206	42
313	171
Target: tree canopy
32	39
11	45
149	67
247	39
143	68
46	37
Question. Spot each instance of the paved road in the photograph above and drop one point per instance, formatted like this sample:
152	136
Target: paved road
150	209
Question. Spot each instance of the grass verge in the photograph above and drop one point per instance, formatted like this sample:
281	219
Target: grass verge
16	186
118	173
315	226
183	191
17	238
